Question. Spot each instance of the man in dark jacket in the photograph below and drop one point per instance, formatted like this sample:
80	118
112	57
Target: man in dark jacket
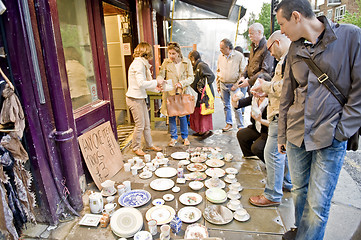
313	126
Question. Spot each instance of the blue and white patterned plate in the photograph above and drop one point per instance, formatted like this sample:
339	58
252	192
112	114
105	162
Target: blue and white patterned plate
134	198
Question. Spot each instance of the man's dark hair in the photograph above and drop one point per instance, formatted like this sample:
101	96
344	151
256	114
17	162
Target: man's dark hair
228	43
195	54
264	76
239	49
301	6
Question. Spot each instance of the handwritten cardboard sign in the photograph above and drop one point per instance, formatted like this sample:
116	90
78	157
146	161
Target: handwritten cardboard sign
101	153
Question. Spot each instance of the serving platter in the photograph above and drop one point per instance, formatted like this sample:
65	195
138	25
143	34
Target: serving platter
215	172
162	184
163	214
190	199
189	214
166	172
134	198
218	214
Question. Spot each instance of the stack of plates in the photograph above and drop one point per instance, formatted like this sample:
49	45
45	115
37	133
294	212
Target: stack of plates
216	195
126	222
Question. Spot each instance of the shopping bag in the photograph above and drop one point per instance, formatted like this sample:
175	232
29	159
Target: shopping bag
180	105
207	100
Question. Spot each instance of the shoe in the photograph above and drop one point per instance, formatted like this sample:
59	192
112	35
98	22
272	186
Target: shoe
227	128
156	149
290	235
284	189
172	142
197	134
207	135
139	152
262	201
186	142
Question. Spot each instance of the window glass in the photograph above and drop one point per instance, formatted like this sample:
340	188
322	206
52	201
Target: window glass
77	50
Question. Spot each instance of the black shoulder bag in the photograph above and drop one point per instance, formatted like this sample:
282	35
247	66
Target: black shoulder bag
352	143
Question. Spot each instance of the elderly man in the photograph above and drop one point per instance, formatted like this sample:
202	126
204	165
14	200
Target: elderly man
230	66
315	123
260	59
278	176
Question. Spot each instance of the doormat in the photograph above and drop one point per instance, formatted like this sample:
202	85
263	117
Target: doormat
125	135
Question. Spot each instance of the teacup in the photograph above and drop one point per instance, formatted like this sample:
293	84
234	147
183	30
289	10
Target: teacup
139	162
147	158
152	226
110	199
127	186
134	170
234	195
108	187
160	155
121	189
235	204
231	177
131	161
241	213
228	157
109	208
215	181
236	186
165	232
127	166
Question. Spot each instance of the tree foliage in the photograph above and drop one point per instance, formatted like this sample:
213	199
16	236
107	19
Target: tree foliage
353	18
263	18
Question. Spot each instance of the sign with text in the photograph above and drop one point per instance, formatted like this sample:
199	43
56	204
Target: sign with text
101	153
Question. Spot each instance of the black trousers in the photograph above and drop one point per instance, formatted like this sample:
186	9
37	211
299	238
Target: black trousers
252	142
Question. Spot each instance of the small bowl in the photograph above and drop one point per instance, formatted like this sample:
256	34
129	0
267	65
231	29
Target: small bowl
196	185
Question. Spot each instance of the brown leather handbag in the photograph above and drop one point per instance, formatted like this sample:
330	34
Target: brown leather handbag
180	105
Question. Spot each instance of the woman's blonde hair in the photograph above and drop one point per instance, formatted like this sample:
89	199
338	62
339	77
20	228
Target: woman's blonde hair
143	49
176	47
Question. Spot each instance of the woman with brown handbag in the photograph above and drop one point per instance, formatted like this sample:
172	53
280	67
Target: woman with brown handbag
178	73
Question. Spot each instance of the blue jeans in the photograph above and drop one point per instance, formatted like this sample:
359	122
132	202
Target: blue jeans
226	94
314	177
183	127
276	165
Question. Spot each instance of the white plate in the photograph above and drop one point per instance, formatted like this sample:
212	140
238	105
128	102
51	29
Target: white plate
139	166
190	198
215	163
175	189
162	214
218	172
218	201
162	184
189	214
231	170
216	194
168	197
158	201
193	167
108	195
199	176
236	197
209	184
196	231
145	175
126	222
242	219
180	155
166	172
196	185
198	159
227	180
218	214
91	220
143	235
184	162
234	208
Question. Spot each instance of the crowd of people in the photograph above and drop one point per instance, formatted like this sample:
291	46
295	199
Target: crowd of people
299	126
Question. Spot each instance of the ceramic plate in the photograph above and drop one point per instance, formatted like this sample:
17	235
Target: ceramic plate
198	159
180	155
184	162
214	163
134	198
126	221
189	214
243	218
196	185
215	172
234	208
175	189
196	167
107	195
218	156
195	176
231	170
227	180
209	184
216	194
162	184
162	214
218	214
158	201
196	231
168	197
166	172
145	175
143	235
91	220
139	166
190	198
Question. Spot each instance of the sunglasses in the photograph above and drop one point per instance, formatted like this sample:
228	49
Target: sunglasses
269	48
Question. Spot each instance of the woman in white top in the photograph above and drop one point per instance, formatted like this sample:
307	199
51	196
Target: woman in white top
140	79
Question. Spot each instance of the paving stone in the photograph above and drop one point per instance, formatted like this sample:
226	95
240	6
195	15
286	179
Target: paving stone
34	230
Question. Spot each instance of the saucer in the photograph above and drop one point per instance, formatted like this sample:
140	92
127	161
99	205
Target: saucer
209	184
168	197
145	175
175	189
238	196
233	208
231	170
158	201
242	218
227	180
107	194
142	165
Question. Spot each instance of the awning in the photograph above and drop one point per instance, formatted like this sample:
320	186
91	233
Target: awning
222	7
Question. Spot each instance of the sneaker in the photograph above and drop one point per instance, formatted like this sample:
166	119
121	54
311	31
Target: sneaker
227	128
172	142
290	235
186	142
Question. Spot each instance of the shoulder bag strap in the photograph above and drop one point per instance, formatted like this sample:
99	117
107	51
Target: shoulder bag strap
324	79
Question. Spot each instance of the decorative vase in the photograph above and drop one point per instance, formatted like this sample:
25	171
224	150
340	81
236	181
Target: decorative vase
176	224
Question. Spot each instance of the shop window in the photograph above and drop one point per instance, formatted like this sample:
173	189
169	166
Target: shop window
329	13
340	12
77	50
